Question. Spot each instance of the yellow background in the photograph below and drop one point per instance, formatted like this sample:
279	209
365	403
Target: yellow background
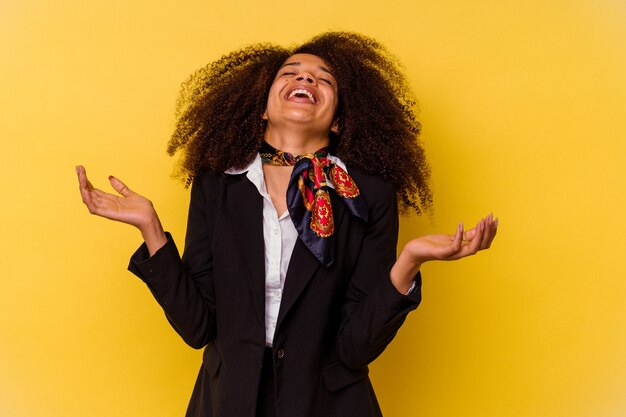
523	106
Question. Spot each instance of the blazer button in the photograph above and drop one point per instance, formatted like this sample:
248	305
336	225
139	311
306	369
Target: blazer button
280	353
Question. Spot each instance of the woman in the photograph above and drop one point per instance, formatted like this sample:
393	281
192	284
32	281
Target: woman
289	279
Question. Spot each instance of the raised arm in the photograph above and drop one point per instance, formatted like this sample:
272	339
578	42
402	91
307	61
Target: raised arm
378	299
183	289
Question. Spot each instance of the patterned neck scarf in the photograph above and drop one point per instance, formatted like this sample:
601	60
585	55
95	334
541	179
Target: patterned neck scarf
308	197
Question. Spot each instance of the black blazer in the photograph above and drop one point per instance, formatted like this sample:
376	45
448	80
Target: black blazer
332	321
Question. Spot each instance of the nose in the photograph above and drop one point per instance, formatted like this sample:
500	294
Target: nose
305	76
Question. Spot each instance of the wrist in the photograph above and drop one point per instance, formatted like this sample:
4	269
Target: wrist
410	262
154	235
404	271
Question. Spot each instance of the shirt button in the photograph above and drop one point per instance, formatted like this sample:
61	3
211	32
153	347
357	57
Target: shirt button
275	231
280	353
277	293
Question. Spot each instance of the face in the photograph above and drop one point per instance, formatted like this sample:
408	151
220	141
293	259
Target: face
304	91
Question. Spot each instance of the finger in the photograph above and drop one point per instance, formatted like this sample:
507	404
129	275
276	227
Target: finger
92	198
119	186
451	251
84	185
488	223
89	199
89	194
83	182
84	193
494	230
469	235
474	245
457	241
82	176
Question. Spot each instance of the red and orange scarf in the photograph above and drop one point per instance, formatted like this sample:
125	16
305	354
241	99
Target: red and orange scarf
308	197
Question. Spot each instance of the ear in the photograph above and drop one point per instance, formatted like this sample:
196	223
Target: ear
264	117
335	127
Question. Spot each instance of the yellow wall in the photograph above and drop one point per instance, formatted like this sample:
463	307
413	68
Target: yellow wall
523	106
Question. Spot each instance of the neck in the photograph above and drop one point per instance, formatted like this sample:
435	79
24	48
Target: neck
295	141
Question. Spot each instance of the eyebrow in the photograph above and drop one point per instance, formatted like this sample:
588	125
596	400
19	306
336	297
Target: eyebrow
320	67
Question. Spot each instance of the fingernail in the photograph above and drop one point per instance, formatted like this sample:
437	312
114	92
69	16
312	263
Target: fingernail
111	177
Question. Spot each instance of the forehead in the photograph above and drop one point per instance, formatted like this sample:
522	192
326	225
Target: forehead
307	60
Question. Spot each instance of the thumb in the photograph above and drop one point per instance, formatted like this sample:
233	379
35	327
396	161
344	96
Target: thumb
469	234
119	186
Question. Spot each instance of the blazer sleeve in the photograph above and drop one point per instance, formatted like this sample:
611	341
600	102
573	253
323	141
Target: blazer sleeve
184	287
373	309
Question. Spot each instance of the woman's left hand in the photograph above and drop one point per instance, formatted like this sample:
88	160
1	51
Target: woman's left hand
444	247
441	247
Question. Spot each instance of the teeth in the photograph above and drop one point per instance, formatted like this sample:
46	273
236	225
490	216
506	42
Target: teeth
302	91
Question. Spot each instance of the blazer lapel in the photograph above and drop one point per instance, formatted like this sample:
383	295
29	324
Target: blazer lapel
303	265
246	209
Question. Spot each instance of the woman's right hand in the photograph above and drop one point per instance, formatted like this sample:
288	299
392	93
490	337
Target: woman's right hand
129	207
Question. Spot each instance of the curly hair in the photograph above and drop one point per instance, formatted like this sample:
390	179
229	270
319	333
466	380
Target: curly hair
219	123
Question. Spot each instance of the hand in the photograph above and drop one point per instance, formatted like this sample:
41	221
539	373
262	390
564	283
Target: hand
441	247
450	247
128	207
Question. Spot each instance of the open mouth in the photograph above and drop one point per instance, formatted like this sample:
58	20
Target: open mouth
302	94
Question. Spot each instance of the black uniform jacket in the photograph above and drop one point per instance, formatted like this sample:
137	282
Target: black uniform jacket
332	321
